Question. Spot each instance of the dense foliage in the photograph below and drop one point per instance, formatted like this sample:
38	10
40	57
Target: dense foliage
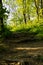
25	16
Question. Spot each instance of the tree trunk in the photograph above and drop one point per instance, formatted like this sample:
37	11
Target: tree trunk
1	18
28	16
42	6
37	9
24	12
24	17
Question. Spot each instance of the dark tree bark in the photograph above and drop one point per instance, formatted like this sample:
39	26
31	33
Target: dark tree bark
24	17
1	18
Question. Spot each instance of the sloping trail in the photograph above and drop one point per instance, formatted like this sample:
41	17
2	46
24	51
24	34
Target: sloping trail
13	49
24	52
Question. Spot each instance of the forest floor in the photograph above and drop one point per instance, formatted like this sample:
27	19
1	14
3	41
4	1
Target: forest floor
19	47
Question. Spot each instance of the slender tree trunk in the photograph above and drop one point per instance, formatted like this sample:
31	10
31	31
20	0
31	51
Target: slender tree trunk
42	6
24	12
28	10
24	17
28	16
1	18
37	9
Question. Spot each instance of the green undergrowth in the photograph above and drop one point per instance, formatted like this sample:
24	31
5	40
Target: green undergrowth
30	26
33	27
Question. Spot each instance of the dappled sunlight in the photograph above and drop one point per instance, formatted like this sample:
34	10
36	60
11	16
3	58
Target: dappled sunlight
30	48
